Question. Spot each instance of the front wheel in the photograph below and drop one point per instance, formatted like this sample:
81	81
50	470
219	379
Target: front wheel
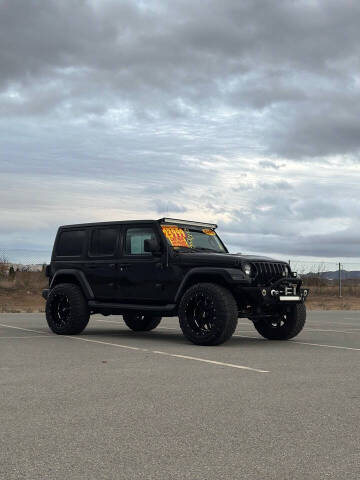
208	314
285	325
141	323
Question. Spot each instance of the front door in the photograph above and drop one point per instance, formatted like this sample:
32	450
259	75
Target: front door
145	274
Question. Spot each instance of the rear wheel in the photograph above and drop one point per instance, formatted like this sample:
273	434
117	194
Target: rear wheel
67	312
141	323
285	325
208	314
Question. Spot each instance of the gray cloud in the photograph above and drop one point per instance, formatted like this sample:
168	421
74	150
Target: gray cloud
269	164
296	62
167	207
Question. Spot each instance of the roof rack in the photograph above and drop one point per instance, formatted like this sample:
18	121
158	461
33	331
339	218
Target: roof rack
187	222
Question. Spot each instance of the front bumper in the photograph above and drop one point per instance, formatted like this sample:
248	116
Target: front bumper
283	295
283	291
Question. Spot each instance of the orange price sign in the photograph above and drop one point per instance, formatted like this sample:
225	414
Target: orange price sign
175	235
208	231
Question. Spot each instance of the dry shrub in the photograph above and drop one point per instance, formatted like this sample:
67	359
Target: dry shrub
322	287
25	281
7	284
4	266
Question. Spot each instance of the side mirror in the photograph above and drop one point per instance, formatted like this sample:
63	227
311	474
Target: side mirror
152	246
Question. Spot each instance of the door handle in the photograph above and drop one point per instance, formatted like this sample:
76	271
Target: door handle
92	265
123	267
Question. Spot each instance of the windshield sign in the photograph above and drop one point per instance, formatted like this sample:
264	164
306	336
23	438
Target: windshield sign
192	239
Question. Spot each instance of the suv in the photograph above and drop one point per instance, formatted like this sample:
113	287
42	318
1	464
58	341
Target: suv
146	269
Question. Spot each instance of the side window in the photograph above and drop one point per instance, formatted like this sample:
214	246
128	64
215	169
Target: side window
135	237
71	243
103	241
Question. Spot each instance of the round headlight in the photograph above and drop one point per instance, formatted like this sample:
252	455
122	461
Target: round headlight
247	268
286	271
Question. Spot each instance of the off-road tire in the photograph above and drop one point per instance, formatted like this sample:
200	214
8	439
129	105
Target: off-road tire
222	314
69	297
141	323
292	326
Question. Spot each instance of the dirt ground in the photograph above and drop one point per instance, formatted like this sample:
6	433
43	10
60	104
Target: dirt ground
19	302
331	302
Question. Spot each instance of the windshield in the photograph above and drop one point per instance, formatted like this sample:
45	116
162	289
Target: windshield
193	239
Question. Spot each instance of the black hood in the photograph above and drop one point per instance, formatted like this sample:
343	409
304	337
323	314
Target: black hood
221	259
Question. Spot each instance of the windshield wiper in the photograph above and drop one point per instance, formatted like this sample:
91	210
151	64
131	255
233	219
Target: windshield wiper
184	249
203	249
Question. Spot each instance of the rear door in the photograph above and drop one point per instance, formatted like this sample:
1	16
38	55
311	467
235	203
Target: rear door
101	267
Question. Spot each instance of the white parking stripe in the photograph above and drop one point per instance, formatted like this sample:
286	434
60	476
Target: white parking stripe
185	357
250	330
27	336
296	342
325	323
127	347
25	329
329	330
325	346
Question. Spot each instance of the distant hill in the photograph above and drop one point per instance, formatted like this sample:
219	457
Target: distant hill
345	275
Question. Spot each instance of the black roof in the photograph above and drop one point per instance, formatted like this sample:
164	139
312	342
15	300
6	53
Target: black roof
170	221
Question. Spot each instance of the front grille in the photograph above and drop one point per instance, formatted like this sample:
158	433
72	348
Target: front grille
267	272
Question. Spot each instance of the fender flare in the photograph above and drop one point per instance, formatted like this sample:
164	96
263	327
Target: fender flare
80	277
230	275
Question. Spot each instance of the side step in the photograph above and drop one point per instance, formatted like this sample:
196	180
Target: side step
132	306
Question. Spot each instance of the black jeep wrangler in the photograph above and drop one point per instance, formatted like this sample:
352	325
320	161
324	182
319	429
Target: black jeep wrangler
144	270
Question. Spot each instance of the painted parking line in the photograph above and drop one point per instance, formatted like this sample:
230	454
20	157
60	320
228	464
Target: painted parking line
192	358
253	331
292	341
296	342
128	347
332	322
24	329
27	336
349	331
184	357
330	330
325	346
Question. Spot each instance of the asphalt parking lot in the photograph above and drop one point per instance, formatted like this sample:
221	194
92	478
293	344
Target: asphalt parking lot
115	404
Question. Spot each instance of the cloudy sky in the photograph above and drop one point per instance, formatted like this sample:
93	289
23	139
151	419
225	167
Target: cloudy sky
242	112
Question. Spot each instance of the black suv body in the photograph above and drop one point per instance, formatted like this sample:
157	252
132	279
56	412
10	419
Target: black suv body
144	270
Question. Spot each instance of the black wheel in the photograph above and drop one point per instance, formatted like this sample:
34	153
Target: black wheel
208	314
141	323
285	325
67	312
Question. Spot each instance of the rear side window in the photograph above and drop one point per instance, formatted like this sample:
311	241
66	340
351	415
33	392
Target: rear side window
71	243
103	241
135	240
